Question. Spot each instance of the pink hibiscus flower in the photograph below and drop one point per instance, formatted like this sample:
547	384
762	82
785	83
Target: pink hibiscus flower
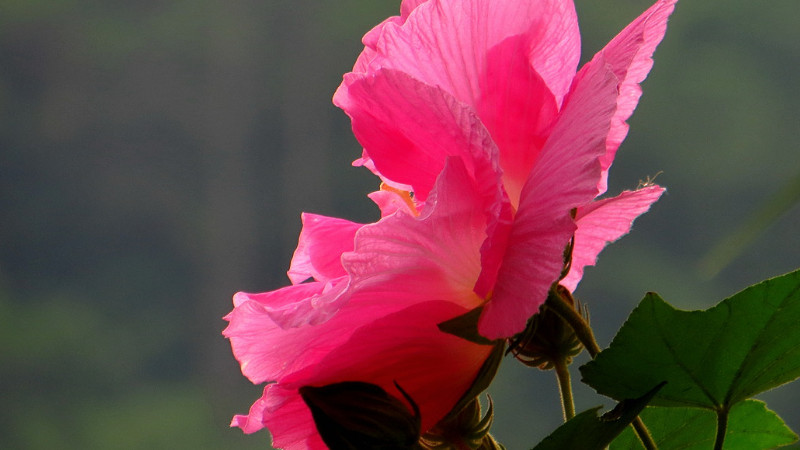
402	276
510	65
491	148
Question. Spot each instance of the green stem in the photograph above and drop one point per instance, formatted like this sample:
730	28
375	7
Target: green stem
644	434
565	388
722	427
565	309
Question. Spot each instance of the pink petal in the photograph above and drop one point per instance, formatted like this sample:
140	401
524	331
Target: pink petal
409	5
564	177
433	367
406	346
370	40
301	304
445	42
366	161
267	349
320	247
292	427
398	262
254	332
254	420
408	128
435	256
603	222
389	203
494	248
630	56
517	108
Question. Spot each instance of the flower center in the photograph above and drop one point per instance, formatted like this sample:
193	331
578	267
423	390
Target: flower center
406	196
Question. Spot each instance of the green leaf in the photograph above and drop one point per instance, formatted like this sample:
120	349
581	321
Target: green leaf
587	431
751	426
712	359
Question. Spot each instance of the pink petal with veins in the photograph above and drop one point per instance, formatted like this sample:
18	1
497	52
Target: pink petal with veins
517	108
439	251
559	182
445	42
605	221
406	347
408	129
630	56
320	247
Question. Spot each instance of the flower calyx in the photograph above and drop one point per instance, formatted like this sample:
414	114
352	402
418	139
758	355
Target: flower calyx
357	415
466	430
548	339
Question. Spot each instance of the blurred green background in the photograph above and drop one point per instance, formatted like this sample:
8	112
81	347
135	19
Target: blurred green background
155	157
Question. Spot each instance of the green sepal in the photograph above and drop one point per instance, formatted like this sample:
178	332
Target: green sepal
354	415
588	431
464	422
465	326
468	428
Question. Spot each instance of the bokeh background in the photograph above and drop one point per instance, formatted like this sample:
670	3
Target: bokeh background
155	157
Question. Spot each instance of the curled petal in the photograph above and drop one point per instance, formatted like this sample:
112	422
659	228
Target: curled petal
603	222
408	129
267	351
287	417
445	42
254	420
630	56
255	326
408	6
320	247
389	203
439	251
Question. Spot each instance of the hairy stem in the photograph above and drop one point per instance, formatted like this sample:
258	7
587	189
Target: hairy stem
565	388
644	434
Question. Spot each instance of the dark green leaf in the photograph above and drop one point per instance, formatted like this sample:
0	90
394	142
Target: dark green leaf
713	359
588	431
751	426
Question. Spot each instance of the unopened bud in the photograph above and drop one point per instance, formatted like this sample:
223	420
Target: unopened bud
547	338
467	429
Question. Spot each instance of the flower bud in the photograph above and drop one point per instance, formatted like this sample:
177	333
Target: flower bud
467	429
547	338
